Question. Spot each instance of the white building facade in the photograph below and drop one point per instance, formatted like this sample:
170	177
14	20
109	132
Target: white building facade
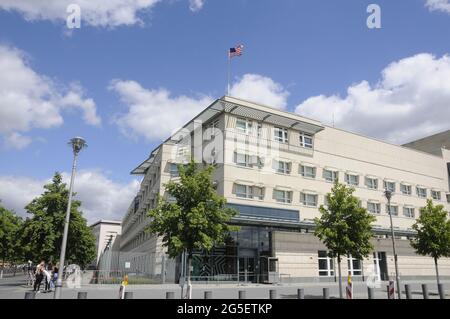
105	232
275	168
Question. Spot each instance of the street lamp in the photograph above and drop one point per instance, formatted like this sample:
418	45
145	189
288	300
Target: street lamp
77	144
388	195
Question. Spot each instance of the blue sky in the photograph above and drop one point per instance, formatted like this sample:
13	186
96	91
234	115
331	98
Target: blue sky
305	54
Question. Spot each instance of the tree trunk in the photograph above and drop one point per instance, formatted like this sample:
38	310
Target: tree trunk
340	277
189	286
437	270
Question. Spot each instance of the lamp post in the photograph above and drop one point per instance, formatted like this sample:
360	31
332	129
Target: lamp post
388	195
77	144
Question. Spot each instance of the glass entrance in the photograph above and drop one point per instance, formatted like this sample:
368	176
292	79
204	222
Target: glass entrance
247	269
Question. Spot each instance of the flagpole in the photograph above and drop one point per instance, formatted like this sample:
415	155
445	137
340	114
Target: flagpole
228	79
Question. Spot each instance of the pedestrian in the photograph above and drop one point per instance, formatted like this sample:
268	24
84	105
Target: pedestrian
55	274
48	278
39	276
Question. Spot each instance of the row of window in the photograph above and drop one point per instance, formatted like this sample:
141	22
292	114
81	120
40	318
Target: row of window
308	171
311	200
280	134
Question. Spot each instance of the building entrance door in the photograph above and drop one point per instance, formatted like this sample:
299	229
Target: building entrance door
380	265
247	265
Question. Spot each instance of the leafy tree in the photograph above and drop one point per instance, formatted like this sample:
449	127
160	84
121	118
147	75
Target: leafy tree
197	220
433	233
10	225
344	226
44	230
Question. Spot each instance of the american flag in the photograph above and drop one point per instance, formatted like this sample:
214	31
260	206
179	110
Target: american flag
236	51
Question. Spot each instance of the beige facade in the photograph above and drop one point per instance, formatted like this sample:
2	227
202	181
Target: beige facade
278	167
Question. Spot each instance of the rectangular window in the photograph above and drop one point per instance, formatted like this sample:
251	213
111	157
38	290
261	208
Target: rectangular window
352	179
405	189
306	140
325	201
329	175
326	264
280	135
242	159
436	195
243	126
173	170
371	183
308	199
408	212
393	209
448	198
246	191
421	192
282	196
259	130
282	167
390	186
354	266
308	171
373	208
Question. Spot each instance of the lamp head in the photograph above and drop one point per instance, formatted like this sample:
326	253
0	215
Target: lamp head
388	194
77	143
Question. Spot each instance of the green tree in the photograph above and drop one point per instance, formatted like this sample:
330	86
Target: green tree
344	227
197	220
433	233
10	226
44	230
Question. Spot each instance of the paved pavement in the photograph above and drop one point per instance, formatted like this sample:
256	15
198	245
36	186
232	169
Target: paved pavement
15	288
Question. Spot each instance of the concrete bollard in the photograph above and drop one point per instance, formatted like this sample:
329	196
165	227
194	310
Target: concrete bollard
425	291
82	295
170	295
370	292
408	291
30	295
208	294
300	294
326	293
128	295
272	294
441	291
242	294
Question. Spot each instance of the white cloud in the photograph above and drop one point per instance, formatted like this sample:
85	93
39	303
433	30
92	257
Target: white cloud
196	5
438	5
30	100
154	113
97	13
410	101
260	89
101	197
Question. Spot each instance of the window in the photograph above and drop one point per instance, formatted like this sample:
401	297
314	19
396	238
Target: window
243	126
308	199
405	189
330	176
436	195
326	264
173	170
373	208
371	183
448	198
280	135
354	266
352	179
308	171
393	209
325	201
408	212
246	191
259	130
421	192
306	140
246	160
282	196
390	186
282	167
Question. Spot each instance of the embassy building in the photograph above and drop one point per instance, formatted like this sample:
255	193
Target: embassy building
275	168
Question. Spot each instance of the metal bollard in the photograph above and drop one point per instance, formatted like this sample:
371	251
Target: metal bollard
300	294
425	291
387	290
272	294
170	295
326	293
242	294
441	291
82	295
30	295
128	295
208	294
370	292
408	291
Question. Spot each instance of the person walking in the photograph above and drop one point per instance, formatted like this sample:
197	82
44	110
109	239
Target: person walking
48	278
55	274
39	276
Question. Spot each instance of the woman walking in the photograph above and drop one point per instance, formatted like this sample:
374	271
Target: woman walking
39	276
